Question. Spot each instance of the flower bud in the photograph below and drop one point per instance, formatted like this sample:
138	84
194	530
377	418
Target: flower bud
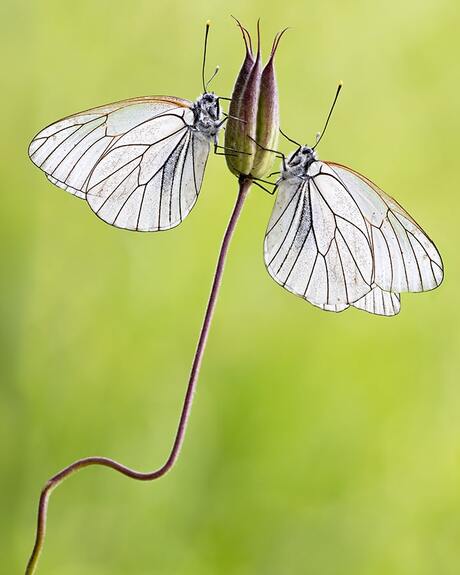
253	114
243	113
268	118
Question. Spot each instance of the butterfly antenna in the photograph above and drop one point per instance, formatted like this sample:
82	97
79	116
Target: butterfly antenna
290	139
208	24
211	78
321	134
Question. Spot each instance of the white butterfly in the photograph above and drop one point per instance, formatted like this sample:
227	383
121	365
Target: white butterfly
139	163
337	240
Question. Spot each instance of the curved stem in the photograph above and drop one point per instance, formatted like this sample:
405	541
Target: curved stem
245	184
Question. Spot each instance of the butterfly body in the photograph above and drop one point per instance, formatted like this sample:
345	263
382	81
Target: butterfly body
298	163
206	111
337	240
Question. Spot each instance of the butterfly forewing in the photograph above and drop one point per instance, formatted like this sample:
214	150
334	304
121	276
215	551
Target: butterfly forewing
137	162
405	259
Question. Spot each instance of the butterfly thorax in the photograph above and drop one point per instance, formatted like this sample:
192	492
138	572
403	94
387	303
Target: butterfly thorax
206	111
298	163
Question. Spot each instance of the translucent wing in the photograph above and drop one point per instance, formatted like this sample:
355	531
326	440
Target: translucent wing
68	149
405	259
337	240
136	162
317	243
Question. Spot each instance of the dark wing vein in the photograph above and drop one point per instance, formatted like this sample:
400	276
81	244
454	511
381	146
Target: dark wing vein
300	195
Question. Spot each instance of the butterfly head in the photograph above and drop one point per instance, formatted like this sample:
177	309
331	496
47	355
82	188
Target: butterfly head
206	111
307	155
298	162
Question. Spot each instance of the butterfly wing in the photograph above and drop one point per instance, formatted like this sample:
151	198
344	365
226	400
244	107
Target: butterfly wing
317	245
337	240
150	178
377	301
67	150
136	162
405	259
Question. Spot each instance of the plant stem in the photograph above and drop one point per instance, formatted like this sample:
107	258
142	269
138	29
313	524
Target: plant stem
244	186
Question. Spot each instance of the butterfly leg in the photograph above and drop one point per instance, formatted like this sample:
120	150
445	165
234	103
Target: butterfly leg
237	152
276	152
224	154
271	192
227	117
264	181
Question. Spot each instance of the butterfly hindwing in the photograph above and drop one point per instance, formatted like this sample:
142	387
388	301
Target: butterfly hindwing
377	301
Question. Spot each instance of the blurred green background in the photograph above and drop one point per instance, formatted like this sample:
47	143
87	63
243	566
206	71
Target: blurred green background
319	443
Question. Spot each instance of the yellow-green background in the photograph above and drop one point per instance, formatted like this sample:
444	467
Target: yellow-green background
319	444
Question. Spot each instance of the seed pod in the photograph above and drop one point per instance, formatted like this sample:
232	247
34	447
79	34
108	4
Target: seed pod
253	113
268	121
243	112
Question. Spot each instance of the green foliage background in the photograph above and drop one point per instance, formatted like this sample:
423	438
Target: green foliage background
319	443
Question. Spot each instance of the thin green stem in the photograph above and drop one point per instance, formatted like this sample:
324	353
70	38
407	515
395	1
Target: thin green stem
56	480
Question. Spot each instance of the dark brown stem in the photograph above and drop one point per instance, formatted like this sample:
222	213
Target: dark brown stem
244	185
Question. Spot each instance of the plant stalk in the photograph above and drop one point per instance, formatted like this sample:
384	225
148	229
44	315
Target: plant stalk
56	480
